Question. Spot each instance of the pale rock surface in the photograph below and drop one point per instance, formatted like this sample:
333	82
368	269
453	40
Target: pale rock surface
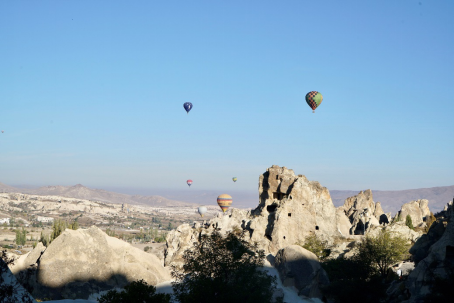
418	211
397	228
291	208
84	261
438	263
301	269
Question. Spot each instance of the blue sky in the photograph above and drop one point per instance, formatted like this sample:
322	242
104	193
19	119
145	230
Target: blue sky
92	92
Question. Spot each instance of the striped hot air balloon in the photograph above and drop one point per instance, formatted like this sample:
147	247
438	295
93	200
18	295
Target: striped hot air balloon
224	202
189	182
234	179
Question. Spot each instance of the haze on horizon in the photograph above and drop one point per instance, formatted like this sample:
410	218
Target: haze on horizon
93	93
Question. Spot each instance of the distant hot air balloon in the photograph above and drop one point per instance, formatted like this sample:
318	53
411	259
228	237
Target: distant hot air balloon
314	99
202	210
189	182
3	131
187	106
224	202
234	179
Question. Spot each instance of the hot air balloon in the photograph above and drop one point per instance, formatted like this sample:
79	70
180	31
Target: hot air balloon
3	131
202	210
189	182
187	106
314	99
224	202
234	179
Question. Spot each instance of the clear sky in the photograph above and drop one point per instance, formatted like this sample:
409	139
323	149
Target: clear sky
92	92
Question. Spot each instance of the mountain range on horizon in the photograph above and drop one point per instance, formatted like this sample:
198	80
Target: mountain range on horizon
391	201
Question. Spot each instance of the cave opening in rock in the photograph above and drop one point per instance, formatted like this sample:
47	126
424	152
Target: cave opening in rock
289	214
271	208
316	227
268	237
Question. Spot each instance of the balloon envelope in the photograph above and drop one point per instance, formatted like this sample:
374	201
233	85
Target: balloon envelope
202	210
314	99
234	179
187	106
189	182
224	202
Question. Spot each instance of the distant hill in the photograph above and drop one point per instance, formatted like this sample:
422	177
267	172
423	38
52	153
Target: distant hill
392	200
81	192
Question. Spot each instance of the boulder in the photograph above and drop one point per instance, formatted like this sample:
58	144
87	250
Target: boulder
84	261
299	268
417	209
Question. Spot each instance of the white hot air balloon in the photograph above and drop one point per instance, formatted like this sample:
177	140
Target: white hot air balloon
202	210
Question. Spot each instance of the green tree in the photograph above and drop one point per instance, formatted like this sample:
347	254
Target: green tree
317	246
219	269
74	225
45	239
382	251
138	291
58	227
21	236
409	222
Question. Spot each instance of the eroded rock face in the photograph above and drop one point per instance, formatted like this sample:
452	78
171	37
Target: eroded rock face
300	268
418	211
438	263
18	292
291	208
84	261
363	213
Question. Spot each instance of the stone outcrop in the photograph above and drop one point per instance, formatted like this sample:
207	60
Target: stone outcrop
439	263
362	212
418	211
291	208
300	268
16	293
84	261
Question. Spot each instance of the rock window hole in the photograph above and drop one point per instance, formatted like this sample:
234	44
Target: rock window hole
284	237
271	208
289	214
316	227
268	237
277	177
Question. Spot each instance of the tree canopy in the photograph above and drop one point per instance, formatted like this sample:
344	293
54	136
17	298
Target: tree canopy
223	269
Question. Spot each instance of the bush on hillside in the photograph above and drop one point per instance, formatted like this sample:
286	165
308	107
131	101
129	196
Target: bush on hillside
317	246
409	222
223	269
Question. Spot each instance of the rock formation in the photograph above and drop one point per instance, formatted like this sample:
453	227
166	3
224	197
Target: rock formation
300	268
418	211
84	261
291	208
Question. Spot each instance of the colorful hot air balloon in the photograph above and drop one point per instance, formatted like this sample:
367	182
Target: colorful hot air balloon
234	179
187	106
314	99
202	210
189	182
224	202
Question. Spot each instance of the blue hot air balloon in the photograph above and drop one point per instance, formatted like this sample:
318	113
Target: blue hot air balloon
187	106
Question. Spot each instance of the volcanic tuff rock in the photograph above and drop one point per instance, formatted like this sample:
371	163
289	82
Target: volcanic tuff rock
418	211
291	208
439	263
18	292
300	268
84	261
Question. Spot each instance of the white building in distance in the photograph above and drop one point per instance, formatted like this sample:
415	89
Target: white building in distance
45	219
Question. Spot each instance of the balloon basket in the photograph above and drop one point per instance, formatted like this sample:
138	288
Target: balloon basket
313	111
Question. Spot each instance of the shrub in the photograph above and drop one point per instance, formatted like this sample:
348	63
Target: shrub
220	270
317	246
138	291
409	222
